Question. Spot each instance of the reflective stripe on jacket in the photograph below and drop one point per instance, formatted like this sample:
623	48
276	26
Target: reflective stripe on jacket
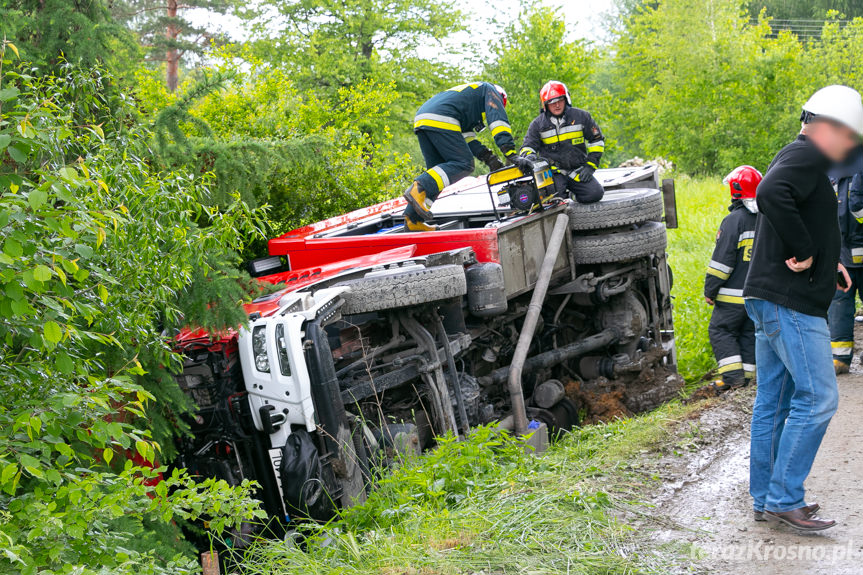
726	272
468	109
847	180
575	141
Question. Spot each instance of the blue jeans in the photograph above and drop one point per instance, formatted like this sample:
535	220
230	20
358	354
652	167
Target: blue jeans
843	308
797	395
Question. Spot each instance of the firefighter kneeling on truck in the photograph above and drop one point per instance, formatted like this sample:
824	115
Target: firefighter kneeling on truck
732	333
569	138
446	127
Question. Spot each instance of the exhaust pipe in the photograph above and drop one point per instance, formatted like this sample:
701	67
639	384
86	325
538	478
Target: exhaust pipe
561	227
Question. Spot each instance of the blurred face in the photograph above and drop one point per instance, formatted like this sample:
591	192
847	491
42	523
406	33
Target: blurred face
833	139
556	106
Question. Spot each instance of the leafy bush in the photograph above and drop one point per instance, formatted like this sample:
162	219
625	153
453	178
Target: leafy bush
308	158
99	256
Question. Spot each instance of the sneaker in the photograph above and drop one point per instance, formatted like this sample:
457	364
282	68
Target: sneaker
416	197
840	367
413	226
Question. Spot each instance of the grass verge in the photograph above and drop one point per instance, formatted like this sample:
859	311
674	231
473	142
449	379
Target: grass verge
701	205
485	506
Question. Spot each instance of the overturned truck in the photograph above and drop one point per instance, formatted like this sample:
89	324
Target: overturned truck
375	341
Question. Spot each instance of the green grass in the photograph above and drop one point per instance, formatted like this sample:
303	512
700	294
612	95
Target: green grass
485	506
701	205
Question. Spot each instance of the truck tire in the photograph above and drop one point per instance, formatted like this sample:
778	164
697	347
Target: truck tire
404	289
626	244
617	208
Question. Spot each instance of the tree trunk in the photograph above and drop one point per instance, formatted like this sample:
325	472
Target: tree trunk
172	56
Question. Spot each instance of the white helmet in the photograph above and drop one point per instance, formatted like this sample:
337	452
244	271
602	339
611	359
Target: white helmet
839	103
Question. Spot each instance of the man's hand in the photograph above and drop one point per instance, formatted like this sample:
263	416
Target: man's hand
709	301
844	273
493	162
584	173
523	164
796	266
489	158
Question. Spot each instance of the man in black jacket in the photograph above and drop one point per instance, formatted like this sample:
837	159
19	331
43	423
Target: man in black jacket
570	139
792	278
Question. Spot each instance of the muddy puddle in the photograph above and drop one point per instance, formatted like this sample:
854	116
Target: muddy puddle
700	505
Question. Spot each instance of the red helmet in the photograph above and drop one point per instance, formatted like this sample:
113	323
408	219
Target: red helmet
502	92
553	90
742	182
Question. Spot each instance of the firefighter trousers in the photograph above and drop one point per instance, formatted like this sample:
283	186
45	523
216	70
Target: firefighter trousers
587	192
732	336
843	308
448	159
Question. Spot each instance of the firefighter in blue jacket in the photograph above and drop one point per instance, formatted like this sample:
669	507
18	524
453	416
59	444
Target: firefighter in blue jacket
446	127
847	179
732	333
570	139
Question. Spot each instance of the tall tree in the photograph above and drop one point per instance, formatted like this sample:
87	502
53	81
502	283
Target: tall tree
696	82
169	32
327	45
552	56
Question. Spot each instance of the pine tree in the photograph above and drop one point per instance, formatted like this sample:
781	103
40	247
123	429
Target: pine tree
167	31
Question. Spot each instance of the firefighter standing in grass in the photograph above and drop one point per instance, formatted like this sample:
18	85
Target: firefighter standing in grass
847	180
732	333
446	127
570	139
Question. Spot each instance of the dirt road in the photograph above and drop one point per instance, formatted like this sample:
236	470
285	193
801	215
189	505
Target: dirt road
705	507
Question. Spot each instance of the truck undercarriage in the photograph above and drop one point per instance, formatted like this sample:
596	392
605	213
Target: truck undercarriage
377	341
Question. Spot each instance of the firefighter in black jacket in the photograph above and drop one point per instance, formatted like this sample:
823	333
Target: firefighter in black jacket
732	333
847	179
446	127
570	139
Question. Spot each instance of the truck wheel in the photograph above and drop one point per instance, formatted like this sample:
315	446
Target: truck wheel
627	244
617	208
404	289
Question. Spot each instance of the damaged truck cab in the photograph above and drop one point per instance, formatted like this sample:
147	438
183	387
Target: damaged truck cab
375	341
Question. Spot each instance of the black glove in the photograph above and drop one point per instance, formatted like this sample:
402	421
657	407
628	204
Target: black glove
489	159
523	164
584	173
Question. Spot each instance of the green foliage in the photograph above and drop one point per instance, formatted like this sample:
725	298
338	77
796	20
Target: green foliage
161	32
701	203
47	31
99	252
533	50
329	46
308	158
333	44
479	505
806	9
699	83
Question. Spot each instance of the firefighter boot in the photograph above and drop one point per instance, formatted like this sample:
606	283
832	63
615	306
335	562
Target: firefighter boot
840	366
416	197
413	226
726	383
